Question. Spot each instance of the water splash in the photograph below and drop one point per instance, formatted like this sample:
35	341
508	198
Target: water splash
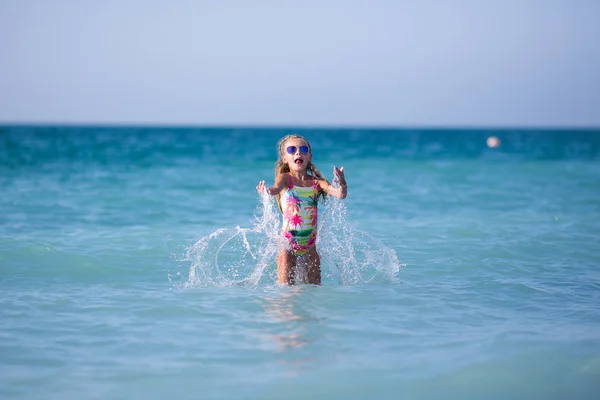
236	256
348	255
247	256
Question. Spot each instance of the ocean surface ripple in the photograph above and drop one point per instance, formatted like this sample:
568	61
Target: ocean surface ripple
139	263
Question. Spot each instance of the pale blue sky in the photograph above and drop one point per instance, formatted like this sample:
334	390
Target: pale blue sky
400	63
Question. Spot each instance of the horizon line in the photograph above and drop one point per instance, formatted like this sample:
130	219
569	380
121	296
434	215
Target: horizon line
145	125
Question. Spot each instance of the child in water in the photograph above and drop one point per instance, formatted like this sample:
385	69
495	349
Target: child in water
298	186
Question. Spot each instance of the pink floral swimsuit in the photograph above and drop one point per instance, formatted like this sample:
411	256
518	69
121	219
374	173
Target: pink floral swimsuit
300	216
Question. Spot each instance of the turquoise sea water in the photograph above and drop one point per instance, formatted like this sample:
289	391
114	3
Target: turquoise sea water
138	263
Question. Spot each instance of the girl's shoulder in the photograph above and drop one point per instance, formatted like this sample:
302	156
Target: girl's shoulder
285	179
322	183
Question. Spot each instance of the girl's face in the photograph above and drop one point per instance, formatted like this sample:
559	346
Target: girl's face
296	154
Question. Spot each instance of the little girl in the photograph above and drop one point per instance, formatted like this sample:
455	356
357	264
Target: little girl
298	186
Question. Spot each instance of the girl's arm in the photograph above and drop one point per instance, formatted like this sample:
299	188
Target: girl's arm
341	191
280	184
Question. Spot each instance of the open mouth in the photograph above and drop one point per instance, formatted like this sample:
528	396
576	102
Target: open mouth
298	161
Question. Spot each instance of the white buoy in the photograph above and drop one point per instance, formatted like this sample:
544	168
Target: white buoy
493	142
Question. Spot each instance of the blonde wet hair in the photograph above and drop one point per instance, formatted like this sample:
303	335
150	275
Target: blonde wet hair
282	168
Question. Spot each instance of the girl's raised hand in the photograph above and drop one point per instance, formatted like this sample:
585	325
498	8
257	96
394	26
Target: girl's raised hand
339	173
260	188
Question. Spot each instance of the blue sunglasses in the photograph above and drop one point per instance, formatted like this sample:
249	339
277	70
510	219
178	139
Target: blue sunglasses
292	149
